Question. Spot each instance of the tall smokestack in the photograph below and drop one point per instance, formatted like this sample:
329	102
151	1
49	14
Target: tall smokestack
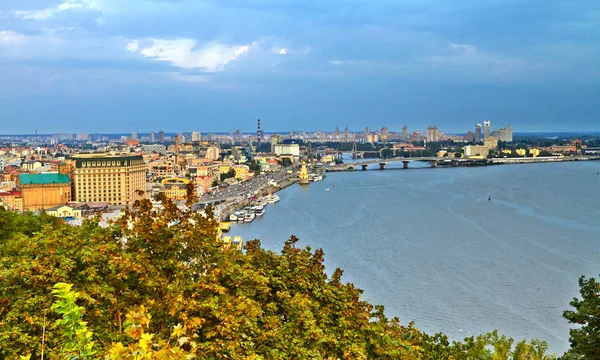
258	133
176	151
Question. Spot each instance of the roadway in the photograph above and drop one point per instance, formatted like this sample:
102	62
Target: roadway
246	188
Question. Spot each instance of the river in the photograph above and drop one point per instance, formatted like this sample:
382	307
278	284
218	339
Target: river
458	250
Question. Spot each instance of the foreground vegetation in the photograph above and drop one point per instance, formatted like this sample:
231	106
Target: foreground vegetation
160	286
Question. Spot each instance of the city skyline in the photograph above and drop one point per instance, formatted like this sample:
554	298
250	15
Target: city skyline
110	66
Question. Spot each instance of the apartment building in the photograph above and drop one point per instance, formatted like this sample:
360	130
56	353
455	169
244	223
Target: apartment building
116	179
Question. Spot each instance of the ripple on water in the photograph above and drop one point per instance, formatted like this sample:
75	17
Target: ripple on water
428	244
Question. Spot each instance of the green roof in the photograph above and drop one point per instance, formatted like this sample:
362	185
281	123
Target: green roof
40	179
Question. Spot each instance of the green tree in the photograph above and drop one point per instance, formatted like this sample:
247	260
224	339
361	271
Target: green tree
585	339
286	162
387	153
75	338
187	295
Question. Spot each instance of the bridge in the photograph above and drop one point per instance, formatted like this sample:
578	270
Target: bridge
433	161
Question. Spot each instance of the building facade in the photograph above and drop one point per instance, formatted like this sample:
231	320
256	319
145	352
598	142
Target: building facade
43	191
477	133
476	151
116	179
486	129
491	142
505	134
287	149
175	189
433	134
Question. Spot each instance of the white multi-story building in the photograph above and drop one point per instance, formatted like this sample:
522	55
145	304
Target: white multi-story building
476	150
287	149
196	136
486	129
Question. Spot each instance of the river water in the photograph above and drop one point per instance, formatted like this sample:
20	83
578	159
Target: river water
430	246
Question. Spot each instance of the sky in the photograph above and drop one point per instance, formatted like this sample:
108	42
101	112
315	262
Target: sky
112	66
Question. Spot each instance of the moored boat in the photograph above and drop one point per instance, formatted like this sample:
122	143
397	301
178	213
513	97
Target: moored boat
225	226
273	199
237	242
249	217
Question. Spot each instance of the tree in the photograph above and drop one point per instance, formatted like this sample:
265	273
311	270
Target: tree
75	338
255	166
214	183
387	153
286	162
187	295
585	339
228	175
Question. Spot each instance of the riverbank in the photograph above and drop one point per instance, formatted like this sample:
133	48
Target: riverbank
239	204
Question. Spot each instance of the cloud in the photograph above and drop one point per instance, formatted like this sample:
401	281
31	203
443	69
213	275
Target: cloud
349	62
133	46
47	13
185	53
283	51
241	50
68	5
464	54
35	14
12	38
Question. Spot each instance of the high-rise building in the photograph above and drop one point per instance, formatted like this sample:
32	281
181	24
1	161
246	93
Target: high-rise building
196	136
346	133
470	136
238	134
486	129
152	137
134	135
161	136
336	132
477	133
275	140
404	135
367	132
505	134
116	179
82	137
433	134
384	134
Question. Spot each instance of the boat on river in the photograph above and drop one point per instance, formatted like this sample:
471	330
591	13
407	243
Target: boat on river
225	226
249	217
